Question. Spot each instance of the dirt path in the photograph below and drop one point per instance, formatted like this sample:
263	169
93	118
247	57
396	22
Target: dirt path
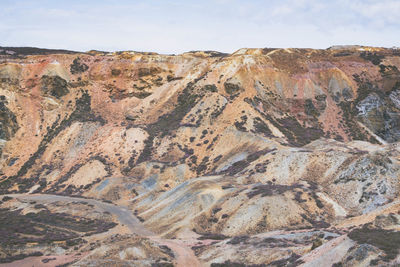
184	255
369	217
329	253
48	261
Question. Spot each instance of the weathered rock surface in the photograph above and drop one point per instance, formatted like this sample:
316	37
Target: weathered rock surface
277	150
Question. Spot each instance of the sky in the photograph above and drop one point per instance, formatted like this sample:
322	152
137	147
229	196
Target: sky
173	27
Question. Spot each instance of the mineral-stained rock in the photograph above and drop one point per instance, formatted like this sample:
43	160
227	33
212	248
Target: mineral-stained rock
264	157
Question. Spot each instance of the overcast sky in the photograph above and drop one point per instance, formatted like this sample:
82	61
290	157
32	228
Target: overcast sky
177	26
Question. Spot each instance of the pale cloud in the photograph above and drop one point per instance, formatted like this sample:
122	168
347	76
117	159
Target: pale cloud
177	26
388	11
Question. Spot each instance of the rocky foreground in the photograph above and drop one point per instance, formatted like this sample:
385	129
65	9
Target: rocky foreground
263	157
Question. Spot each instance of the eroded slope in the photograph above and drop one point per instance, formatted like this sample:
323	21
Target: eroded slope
212	145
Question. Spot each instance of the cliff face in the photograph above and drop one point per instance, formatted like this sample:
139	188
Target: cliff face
255	141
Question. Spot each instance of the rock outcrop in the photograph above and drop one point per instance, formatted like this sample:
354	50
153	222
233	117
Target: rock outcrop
241	148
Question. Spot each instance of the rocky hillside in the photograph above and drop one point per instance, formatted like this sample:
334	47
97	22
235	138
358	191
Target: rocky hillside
275	156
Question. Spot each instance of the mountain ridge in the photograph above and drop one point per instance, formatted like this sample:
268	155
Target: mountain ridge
28	50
